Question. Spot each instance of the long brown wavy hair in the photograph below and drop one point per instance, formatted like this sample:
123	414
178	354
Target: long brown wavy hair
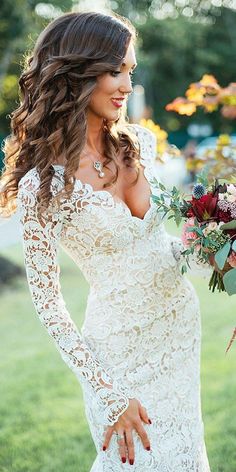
55	87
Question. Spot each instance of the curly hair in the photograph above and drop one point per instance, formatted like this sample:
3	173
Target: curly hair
55	89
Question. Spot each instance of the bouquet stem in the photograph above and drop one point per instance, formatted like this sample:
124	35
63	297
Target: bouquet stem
216	281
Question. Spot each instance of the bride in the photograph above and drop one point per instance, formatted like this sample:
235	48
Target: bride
81	176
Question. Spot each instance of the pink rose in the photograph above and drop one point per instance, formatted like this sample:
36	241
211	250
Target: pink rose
188	236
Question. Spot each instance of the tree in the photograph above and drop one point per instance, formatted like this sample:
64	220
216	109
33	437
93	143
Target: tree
175	53
19	27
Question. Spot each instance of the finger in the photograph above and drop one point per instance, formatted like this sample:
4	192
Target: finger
143	435
107	437
143	414
130	445
122	446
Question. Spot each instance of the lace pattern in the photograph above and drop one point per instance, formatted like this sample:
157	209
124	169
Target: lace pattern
41	242
142	323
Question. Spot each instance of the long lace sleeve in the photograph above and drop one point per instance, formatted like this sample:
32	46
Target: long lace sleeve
149	140
40	237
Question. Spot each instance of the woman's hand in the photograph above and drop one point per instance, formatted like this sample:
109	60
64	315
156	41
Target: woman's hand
131	419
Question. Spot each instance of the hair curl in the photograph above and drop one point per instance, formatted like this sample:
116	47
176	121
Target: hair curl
55	88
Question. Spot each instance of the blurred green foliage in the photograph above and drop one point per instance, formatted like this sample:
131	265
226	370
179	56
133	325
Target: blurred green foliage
19	28
171	53
177	52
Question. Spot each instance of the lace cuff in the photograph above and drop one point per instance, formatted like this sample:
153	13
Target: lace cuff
118	402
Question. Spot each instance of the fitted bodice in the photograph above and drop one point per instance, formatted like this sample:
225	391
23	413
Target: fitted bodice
95	225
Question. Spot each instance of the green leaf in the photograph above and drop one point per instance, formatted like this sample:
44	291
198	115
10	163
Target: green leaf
234	246
162	187
155	198
222	255
230	225
229	280
198	231
202	177
178	218
187	252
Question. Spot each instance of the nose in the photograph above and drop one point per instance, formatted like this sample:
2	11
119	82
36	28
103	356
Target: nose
126	85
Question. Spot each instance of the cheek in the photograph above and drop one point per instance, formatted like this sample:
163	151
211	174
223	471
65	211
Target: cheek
106	86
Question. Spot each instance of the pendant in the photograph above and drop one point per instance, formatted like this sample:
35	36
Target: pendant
98	166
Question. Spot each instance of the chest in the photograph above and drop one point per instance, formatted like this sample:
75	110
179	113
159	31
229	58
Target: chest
131	188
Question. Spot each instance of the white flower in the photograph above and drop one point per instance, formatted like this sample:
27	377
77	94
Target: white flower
231	189
211	227
231	198
206	231
221	196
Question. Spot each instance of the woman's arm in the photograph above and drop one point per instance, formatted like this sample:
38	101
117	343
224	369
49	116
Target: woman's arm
148	142
41	237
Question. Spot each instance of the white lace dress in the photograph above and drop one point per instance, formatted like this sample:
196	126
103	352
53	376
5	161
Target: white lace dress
141	334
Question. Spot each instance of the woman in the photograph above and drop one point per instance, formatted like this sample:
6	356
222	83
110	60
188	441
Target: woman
82	176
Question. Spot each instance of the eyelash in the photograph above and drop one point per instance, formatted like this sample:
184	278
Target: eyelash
116	73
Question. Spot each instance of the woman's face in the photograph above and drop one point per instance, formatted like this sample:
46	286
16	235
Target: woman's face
113	89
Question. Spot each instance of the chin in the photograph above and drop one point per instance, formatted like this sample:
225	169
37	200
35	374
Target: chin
112	116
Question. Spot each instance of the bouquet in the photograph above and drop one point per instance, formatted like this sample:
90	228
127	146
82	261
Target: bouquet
209	229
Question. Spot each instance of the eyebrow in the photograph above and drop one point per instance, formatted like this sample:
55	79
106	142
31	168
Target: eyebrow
133	66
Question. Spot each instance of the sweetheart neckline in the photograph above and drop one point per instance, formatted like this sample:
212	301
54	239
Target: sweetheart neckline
116	202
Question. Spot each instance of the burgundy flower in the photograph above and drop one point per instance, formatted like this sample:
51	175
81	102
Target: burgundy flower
204	208
223	216
190	213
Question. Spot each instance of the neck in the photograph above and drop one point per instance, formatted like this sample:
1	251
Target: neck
94	133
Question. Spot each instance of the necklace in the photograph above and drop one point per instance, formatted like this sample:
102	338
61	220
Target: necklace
98	166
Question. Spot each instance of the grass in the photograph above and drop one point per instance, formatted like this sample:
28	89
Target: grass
42	422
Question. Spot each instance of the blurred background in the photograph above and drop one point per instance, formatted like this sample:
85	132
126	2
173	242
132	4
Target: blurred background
185	92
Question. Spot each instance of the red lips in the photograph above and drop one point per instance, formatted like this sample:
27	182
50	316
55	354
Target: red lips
117	102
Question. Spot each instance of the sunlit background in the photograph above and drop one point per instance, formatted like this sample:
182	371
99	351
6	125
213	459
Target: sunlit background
184	90
179	41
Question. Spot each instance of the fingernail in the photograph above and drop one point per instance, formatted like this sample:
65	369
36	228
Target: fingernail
149	421
104	448
123	459
148	448
131	461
